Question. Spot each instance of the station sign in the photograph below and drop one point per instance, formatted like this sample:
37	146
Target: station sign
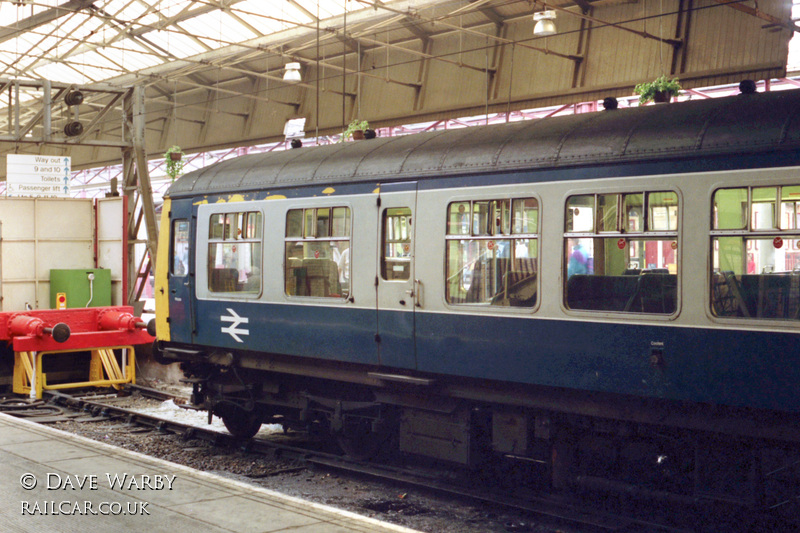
38	175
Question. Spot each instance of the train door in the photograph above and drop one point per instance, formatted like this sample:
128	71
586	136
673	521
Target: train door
396	292
181	273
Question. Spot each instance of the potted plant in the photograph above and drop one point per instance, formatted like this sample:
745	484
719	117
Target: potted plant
661	90
355	130
173	158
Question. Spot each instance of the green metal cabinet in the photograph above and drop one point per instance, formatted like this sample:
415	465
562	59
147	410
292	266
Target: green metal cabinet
80	291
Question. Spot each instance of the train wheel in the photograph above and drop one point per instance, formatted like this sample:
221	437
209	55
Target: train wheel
242	424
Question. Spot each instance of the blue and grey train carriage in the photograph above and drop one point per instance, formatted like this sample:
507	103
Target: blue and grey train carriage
580	292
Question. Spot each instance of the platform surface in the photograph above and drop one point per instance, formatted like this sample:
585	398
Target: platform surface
54	481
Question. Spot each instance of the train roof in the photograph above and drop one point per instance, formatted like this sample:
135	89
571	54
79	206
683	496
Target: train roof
741	124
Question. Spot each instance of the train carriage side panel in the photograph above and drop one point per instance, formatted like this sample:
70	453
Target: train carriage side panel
290	297
684	355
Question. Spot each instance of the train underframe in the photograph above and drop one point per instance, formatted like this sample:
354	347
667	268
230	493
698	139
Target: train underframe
685	453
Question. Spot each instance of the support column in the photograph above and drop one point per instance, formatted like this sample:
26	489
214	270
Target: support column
137	180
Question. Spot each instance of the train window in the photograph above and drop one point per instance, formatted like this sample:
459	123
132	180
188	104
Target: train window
216	226
341	222
633	210
526	215
756	253
492	252
457	221
317	252
607	212
396	248
790	208
294	223
234	252
763	211
580	213
730	209
180	247
662	211
621	252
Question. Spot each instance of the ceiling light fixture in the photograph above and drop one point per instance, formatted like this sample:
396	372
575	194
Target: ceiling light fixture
292	73
545	24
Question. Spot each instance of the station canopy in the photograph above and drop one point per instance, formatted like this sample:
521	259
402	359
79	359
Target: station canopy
90	41
213	73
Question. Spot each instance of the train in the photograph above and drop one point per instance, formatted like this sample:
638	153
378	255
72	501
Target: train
606	299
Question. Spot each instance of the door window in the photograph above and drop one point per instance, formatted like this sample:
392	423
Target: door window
396	244
180	247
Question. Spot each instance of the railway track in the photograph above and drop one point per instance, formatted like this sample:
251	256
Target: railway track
554	508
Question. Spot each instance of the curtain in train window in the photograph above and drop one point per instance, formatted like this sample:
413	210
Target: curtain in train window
621	252
755	253
234	253
317	252
492	252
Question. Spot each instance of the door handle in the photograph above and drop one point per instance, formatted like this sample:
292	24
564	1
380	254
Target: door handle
418	292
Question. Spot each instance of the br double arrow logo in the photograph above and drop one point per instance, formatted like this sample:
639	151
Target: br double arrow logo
233	330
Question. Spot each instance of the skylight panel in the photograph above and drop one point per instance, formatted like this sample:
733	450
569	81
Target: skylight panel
74	42
10	64
216	28
171	8
284	15
76	22
29	40
54	43
132	56
10	13
93	66
127	12
327	9
176	43
60	72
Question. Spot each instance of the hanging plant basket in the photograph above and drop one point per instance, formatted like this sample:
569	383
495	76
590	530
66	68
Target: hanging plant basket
355	130
660	90
173	158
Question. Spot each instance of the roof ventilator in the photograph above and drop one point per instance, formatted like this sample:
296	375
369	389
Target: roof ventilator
610	103
747	87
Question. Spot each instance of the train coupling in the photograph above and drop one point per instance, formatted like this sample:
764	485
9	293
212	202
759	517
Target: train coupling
198	397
